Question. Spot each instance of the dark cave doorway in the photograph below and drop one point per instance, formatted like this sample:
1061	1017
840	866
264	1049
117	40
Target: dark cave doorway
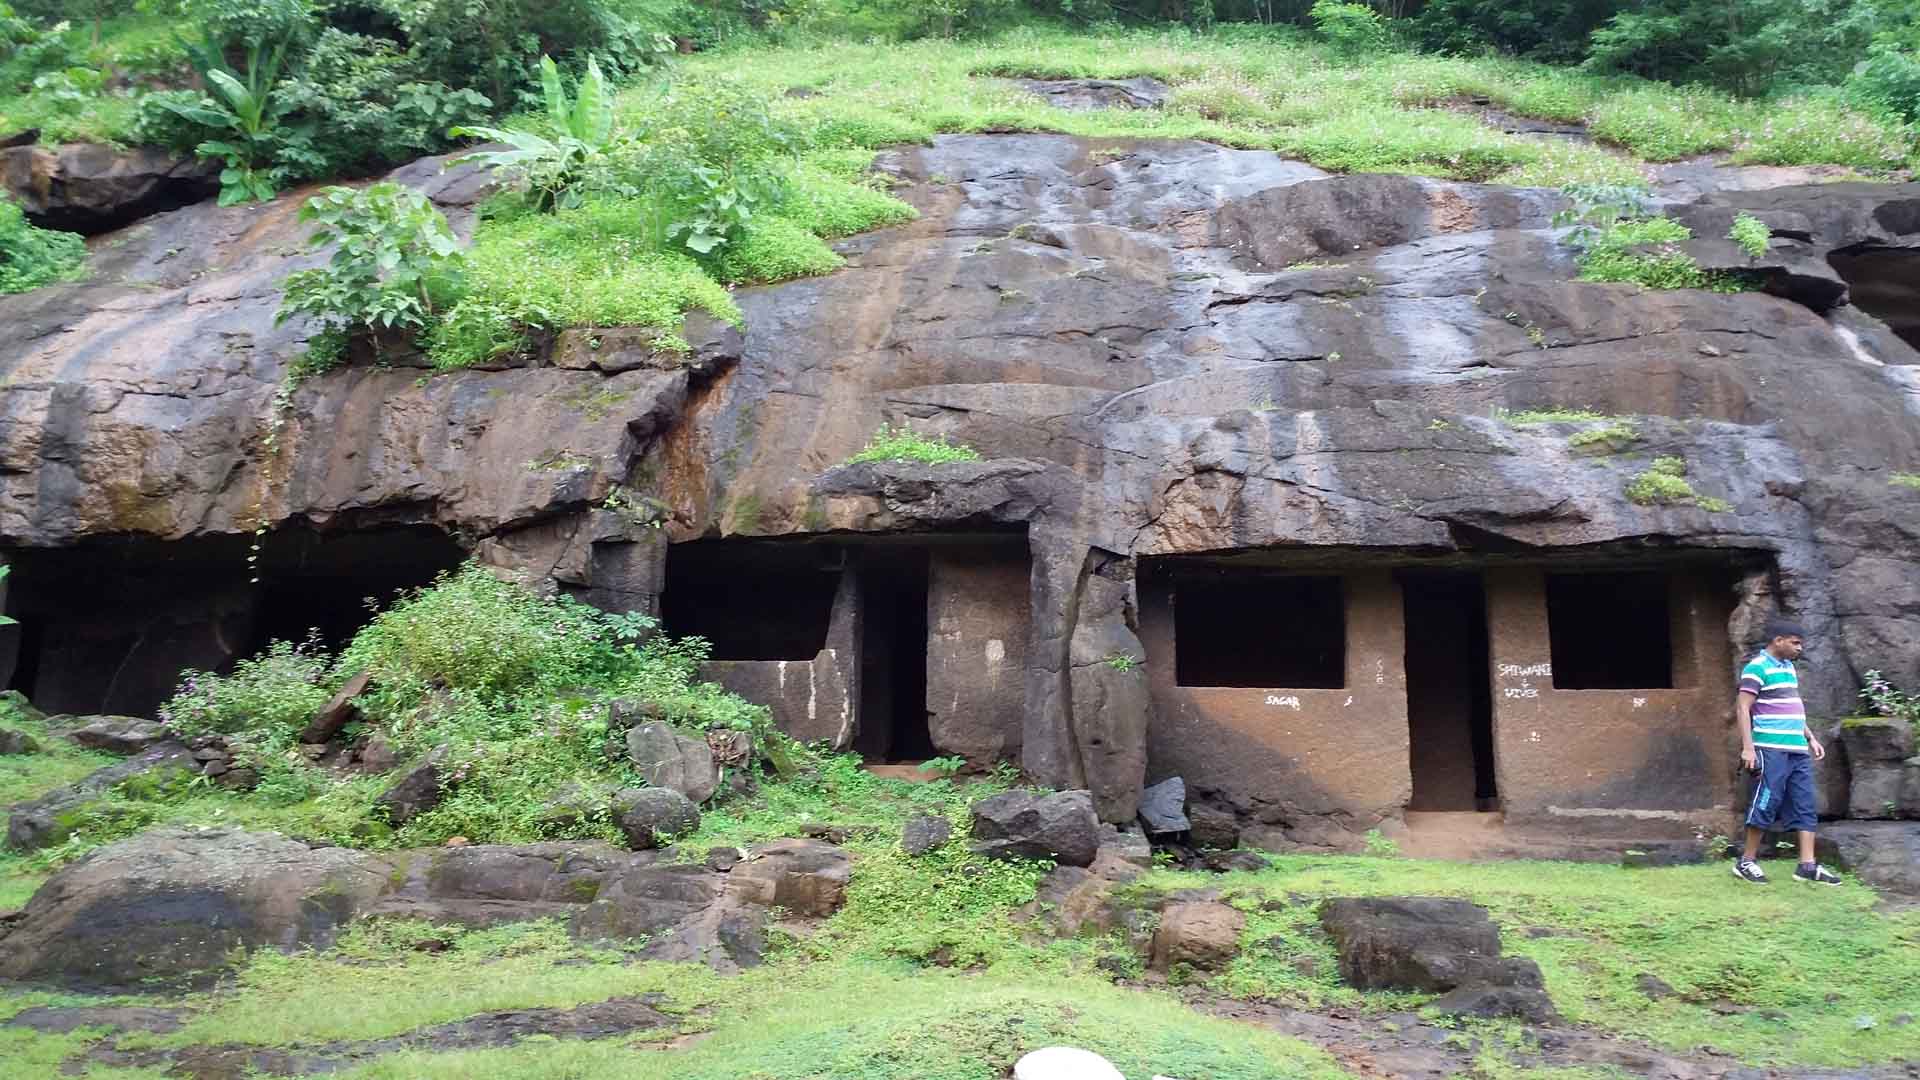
1449	691
893	714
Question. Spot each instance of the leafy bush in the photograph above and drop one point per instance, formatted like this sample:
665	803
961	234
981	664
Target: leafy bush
247	113
1885	699
1751	234
31	256
1746	46
270	696
554	169
1664	483
394	263
1351	28
904	444
1888	81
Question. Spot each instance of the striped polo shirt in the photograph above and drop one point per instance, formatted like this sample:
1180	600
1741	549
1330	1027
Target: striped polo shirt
1779	719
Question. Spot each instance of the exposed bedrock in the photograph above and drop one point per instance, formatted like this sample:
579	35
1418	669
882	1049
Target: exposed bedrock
1166	353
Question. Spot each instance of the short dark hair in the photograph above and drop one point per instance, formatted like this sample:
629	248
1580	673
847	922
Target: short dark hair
1780	626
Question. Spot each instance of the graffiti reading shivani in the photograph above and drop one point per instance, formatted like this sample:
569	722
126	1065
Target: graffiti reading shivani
1525	673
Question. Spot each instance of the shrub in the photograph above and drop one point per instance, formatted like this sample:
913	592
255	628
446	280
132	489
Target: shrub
1751	234
246	115
1885	699
903	444
1887	81
554	169
31	256
270	696
1664	483
395	262
1350	27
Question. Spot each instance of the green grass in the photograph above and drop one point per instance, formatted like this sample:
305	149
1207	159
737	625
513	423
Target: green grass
1751	234
1611	438
1664	483
862	997
1533	417
1761	950
1286	94
904	444
1905	480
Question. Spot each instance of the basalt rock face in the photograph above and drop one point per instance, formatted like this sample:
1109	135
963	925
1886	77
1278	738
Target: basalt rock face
1159	349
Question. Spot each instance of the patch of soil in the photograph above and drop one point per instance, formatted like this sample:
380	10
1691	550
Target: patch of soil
233	1061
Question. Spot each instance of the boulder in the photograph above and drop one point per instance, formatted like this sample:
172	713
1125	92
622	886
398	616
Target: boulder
375	755
1064	1063
1204	935
176	904
1163	807
1877	740
1126	845
117	734
1420	943
15	706
338	712
489	884
647	814
17	742
1910	789
924	833
684	912
1019	824
52	817
91	188
1213	827
1885	854
1071	897
806	877
667	759
1876	789
420	790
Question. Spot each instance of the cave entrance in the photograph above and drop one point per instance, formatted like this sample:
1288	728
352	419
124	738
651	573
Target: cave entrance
894	727
1449	691
1884	282
108	627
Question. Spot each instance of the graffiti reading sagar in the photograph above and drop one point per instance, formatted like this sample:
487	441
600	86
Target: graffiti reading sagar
1290	702
1525	673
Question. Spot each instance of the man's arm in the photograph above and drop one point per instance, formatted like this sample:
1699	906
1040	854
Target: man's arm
1743	704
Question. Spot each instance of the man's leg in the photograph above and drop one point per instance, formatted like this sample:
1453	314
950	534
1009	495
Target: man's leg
1753	843
1806	847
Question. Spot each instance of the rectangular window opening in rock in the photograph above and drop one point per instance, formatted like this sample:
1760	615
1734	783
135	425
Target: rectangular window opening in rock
1449	690
1612	630
1253	627
752	599
893	656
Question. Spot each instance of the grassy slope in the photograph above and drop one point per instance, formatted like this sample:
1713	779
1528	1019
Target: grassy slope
1812	976
1286	94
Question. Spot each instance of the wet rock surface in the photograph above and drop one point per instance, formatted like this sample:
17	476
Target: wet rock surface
1081	95
1169	348
90	188
174	904
1018	824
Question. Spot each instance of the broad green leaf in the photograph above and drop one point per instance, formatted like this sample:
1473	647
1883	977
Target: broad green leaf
555	91
593	111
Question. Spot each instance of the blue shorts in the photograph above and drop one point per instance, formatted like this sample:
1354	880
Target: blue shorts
1783	799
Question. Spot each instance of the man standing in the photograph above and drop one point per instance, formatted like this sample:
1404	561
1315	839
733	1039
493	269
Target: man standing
1776	746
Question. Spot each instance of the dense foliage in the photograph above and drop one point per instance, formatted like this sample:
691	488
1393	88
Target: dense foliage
32	256
516	686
